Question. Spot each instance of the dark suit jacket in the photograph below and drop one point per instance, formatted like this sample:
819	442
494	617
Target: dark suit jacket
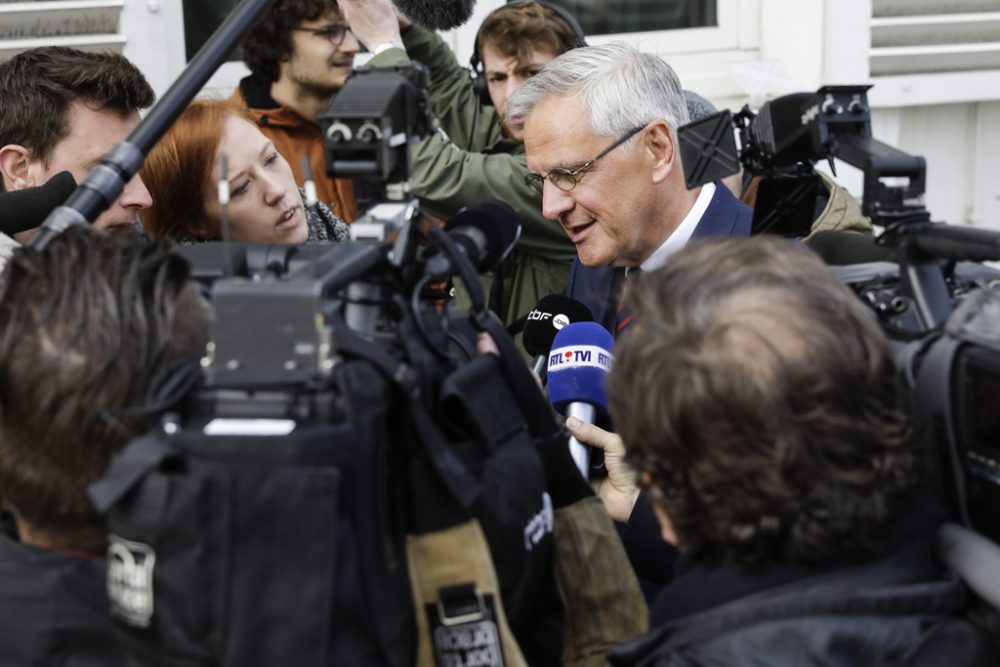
598	288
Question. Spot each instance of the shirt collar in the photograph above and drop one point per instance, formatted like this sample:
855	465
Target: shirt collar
680	236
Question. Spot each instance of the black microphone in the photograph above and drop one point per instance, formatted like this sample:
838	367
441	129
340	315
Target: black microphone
437	14
21	210
546	319
486	232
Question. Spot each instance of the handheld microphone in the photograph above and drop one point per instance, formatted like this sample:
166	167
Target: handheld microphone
437	14
486	232
546	319
579	362
21	210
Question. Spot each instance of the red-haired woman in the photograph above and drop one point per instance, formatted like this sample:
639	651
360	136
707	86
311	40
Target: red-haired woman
265	206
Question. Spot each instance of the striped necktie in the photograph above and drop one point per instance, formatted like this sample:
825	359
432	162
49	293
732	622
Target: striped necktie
625	320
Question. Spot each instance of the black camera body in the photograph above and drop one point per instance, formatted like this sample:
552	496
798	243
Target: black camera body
339	420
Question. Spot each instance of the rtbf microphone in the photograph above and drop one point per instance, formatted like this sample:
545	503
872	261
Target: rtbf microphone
545	320
578	367
21	210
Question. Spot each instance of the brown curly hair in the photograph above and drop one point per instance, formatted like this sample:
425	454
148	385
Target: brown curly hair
758	399
270	42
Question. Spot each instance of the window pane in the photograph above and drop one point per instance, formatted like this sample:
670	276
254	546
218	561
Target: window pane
602	17
201	18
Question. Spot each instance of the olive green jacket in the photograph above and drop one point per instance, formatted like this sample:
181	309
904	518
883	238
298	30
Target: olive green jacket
468	160
842	212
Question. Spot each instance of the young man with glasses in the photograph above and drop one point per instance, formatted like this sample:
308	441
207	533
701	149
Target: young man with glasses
600	132
300	54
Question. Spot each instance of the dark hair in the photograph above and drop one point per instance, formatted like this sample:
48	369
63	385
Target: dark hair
270	42
38	86
760	398
178	170
86	324
517	29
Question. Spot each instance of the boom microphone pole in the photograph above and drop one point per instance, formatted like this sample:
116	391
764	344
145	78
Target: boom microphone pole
105	182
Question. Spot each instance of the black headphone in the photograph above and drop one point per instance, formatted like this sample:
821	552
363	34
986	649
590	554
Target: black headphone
479	83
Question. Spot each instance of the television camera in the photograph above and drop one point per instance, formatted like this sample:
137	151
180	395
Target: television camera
339	426
933	296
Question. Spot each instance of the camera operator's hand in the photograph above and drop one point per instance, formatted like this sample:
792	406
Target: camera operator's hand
619	490
373	22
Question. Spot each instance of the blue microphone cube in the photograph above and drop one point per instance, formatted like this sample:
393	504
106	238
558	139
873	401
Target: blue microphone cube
578	367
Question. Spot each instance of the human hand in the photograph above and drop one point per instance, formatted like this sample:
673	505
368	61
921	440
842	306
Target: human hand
373	22
619	490
486	345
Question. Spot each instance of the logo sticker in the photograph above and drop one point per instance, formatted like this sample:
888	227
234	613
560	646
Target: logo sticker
130	580
579	356
540	525
559	321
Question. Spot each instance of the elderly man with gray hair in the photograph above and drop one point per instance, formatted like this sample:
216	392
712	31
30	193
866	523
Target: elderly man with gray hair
600	131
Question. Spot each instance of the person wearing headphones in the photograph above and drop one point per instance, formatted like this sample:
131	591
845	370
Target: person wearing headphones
473	156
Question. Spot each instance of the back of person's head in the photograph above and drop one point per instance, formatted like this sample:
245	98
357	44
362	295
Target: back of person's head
86	324
517	29
270	42
38	86
620	86
178	170
759	397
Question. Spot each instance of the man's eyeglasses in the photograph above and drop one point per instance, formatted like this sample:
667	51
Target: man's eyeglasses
333	33
566	179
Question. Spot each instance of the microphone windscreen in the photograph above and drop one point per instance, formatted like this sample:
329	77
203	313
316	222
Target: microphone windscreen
838	248
497	222
579	362
21	210
546	319
437	14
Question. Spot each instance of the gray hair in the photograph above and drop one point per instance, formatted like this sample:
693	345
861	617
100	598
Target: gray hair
621	86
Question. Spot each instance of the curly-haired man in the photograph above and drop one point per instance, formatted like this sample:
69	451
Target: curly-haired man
299	55
758	404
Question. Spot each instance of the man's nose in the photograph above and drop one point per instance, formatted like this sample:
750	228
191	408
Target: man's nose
350	43
513	83
555	202
135	195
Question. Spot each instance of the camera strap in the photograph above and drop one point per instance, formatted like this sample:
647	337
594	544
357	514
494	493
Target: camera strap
456	477
536	408
127	468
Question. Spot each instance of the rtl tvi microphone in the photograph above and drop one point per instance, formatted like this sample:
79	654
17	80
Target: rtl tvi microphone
545	320
578	367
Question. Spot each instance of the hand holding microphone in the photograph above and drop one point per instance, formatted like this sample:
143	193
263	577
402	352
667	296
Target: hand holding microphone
620	489
578	366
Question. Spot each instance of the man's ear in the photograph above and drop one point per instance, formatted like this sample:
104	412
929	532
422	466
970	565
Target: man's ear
661	148
14	163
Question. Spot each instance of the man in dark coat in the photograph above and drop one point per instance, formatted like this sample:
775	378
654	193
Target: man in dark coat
759	407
